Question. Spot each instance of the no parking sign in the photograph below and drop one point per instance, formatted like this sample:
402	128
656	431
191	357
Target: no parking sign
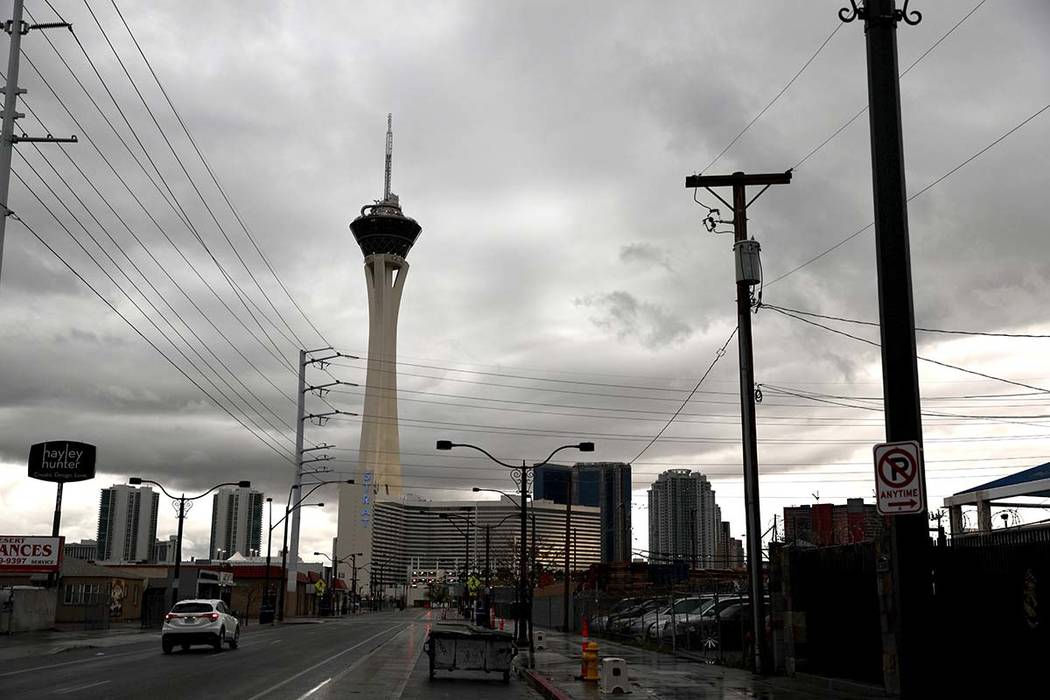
899	478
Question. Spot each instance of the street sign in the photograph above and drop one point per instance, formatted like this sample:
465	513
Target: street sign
62	461
30	554
319	586
899	479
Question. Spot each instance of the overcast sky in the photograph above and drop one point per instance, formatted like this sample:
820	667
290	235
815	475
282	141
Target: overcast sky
563	287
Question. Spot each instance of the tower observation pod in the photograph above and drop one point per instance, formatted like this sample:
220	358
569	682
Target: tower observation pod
385	236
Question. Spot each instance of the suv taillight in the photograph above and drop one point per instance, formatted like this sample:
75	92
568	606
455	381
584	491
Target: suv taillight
214	616
169	617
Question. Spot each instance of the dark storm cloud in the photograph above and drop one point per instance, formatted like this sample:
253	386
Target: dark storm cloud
645	253
635	321
543	146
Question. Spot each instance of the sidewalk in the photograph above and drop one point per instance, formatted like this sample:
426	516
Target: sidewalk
23	644
660	675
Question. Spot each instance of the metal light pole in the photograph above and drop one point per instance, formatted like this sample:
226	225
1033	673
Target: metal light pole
267	596
335	566
136	481
521	473
488	537
353	580
568	530
905	642
288	510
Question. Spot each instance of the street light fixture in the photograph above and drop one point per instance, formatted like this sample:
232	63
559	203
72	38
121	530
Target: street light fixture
335	570
137	481
521	473
288	509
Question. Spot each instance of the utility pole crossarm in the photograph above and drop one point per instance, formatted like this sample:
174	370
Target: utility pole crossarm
738	178
42	139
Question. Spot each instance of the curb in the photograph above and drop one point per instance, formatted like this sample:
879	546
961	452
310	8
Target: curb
544	687
838	684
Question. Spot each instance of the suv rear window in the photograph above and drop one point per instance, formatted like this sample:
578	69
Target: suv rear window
192	608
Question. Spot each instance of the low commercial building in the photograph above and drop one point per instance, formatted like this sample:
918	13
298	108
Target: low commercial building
85	550
411	535
824	524
98	595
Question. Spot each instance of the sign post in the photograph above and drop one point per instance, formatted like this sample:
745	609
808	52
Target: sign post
59	462
899	478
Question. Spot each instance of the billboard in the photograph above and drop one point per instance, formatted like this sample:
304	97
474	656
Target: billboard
29	554
62	461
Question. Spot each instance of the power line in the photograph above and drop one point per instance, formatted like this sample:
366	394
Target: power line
173	202
989	334
145	297
214	179
156	291
124	318
718	355
924	359
86	135
864	109
159	265
776	97
914	196
297	340
733	420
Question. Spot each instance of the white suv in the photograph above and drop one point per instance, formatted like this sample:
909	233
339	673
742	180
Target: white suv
199	622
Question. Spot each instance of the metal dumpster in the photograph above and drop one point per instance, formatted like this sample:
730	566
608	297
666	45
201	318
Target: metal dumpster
466	647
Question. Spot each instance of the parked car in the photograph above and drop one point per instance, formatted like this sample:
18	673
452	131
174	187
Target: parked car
200	622
725	622
601	623
658	624
622	623
646	625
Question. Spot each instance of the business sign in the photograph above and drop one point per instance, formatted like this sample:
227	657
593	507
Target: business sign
898	478
28	554
62	461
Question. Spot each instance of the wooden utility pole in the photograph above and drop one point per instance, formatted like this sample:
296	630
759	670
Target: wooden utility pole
904	564
740	182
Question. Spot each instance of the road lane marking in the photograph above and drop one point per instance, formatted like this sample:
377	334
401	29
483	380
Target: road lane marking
276	641
400	690
71	663
74	689
333	657
315	689
352	667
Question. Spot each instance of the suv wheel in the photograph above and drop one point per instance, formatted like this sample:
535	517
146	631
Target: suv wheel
236	638
219	639
166	645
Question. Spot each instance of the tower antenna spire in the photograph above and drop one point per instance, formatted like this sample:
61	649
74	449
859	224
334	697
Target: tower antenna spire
389	154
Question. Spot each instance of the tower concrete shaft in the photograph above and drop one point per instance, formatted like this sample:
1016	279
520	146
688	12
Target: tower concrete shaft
379	456
385	236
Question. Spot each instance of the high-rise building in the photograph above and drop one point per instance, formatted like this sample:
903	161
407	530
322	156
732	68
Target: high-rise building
730	550
385	236
605	485
236	522
684	520
127	524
